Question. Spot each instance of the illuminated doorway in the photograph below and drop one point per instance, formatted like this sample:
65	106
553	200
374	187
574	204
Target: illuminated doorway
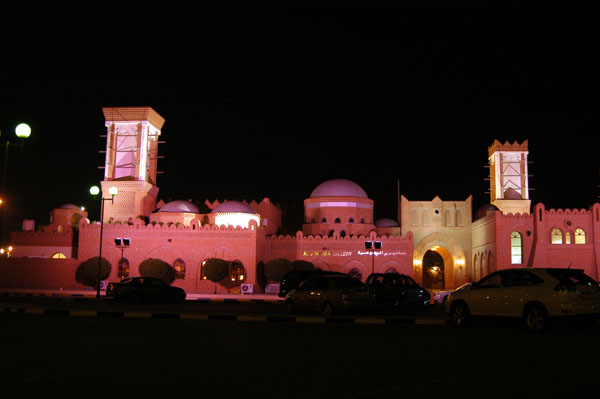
435	262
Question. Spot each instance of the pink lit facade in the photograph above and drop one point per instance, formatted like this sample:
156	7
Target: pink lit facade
437	242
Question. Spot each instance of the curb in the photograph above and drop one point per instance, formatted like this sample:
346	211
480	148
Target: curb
304	319
192	297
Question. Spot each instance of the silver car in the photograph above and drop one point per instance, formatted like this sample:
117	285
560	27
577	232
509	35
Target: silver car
536	295
329	294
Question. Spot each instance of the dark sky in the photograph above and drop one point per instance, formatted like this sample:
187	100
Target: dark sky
270	101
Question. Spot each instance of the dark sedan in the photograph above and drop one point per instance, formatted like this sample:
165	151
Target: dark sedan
396	291
149	289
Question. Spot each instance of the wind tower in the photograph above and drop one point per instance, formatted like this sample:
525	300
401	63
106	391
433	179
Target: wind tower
131	162
509	178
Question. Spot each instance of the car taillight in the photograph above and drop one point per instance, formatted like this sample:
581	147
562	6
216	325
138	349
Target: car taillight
565	287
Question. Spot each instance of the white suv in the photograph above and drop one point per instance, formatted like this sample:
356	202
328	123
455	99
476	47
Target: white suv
534	294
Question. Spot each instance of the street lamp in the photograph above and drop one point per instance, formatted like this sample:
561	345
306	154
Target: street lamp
94	190
22	131
372	246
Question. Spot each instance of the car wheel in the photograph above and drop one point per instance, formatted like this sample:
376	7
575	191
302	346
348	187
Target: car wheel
536	318
327	308
461	316
289	307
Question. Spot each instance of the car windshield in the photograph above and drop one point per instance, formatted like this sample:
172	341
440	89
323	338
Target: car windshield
572	276
127	280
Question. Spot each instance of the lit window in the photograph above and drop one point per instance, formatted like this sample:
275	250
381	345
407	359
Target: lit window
123	268
556	236
179	266
516	248
568	237
237	271
580	236
59	255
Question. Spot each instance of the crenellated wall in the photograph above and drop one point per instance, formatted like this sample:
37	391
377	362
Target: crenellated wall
344	253
191	244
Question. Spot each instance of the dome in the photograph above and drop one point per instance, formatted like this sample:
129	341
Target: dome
233	206
180	206
512	194
70	206
387	222
338	188
486	209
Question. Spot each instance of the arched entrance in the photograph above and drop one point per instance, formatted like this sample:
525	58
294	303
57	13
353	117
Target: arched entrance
451	272
434	267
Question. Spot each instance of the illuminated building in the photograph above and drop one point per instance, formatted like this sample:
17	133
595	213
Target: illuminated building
437	242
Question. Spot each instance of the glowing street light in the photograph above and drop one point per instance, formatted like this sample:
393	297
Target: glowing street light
94	190
22	131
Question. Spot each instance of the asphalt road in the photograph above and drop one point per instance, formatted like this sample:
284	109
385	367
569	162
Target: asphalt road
100	357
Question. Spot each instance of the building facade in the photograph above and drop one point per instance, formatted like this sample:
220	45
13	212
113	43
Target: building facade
437	242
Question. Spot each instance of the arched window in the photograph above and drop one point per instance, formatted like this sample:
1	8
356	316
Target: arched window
391	270
556	236
324	220
363	221
568	237
59	255
354	272
351	220
123	268
179	266
237	271
580	236
516	248
343	233
338	220
448	217
459	218
414	216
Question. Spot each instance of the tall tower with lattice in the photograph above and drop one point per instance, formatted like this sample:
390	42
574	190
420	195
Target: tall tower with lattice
509	177
131	162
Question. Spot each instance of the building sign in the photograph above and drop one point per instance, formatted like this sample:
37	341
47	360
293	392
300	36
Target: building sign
351	253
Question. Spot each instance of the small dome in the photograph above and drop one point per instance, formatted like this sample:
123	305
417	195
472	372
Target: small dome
486	209
70	206
338	188
512	194
233	206
180	206
387	222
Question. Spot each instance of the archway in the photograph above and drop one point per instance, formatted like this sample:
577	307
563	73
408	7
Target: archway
434	267
456	261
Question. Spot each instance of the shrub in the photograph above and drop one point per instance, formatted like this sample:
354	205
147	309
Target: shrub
215	269
87	271
302	265
275	269
157	268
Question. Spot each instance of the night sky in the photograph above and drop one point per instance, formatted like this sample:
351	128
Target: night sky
270	101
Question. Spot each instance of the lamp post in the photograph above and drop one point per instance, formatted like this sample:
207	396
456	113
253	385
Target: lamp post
22	131
372	246
94	190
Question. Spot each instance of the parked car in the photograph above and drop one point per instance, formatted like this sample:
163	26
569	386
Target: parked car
535	295
138	289
328	294
440	297
293	278
398	291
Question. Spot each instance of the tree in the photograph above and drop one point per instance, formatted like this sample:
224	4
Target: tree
302	265
157	268
275	269
215	270
87	271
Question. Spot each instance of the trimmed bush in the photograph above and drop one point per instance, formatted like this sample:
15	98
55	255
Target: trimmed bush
157	268
275	269
87	271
